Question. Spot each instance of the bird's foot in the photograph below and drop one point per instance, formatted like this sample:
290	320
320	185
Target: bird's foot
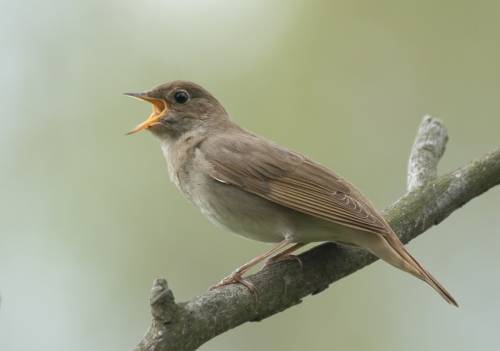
273	260
236	278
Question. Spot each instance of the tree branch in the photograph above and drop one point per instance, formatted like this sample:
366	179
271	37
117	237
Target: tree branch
187	325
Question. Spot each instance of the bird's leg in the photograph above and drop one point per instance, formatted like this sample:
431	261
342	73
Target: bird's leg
284	256
237	276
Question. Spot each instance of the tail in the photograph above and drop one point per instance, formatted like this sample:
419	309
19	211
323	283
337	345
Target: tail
410	264
391	249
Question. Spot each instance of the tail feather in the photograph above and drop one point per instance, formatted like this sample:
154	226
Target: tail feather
429	279
415	268
389	248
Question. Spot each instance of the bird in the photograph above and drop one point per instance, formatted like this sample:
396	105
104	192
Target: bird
258	189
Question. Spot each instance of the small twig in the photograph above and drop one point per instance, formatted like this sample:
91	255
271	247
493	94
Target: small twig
164	310
426	152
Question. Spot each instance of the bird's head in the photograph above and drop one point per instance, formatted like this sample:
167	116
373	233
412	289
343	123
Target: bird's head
179	107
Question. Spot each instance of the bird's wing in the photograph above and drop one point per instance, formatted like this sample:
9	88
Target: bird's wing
289	179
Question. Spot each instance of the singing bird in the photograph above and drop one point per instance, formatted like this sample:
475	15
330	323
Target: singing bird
261	190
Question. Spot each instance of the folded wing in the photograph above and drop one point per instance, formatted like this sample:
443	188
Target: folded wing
291	180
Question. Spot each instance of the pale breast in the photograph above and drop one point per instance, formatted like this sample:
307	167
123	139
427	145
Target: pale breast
165	147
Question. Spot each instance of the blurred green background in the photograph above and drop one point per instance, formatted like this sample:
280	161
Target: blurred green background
88	217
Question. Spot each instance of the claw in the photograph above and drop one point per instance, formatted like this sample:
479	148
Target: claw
273	260
236	278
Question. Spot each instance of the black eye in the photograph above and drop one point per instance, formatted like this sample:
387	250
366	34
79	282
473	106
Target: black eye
181	96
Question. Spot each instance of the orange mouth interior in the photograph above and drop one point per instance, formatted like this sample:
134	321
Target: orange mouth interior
159	109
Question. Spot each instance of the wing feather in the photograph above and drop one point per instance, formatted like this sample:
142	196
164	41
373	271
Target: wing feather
291	180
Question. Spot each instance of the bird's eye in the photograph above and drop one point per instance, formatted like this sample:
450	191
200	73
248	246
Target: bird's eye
181	96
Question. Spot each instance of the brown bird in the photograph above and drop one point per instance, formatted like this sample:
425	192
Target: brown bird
261	190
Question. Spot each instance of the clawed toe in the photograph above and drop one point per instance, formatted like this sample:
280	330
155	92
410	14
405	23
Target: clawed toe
273	260
236	278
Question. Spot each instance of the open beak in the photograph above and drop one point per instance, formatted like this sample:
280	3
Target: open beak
159	109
